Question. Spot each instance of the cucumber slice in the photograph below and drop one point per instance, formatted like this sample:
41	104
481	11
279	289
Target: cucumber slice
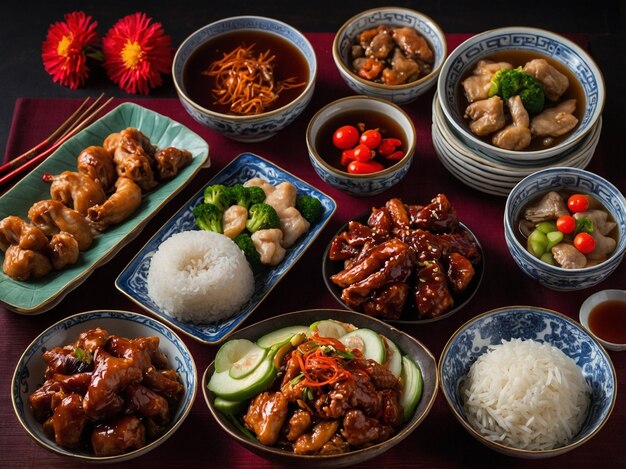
370	344
231	389
329	328
280	336
230	407
394	358
239	356
412	385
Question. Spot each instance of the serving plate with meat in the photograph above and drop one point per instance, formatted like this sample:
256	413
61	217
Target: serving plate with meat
119	213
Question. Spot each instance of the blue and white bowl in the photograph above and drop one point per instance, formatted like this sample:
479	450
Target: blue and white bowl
572	179
29	372
360	184
390	16
471	340
549	44
245	128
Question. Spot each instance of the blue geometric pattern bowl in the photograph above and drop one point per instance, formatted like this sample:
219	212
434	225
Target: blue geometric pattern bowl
571	179
546	43
29	372
389	16
471	340
133	281
253	128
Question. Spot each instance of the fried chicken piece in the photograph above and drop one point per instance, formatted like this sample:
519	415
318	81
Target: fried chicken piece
312	442
266	415
76	190
487	116
413	44
97	163
124	434
14	230
118	207
432	295
359	430
22	264
52	217
169	161
69	421
63	250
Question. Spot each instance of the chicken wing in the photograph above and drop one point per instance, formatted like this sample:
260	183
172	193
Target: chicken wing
118	207
171	160
14	230
52	217
76	190
516	136
413	44
555	121
487	116
22	264
554	82
97	163
63	250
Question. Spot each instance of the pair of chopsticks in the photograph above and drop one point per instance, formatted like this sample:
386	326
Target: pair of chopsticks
79	119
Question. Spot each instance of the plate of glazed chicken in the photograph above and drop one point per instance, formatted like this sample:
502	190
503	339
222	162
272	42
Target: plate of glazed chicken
91	197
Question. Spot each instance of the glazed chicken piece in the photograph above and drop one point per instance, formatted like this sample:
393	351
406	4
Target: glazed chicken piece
40	401
52	217
165	383
133	156
517	135
63	250
293	225
170	161
268	244
299	423
234	221
568	257
91	339
336	445
413	45
554	82
262	183
97	163
555	121
359	430
77	383
477	85
76	190
157	357
387	301
432	295
130	139
399	216
144	402
22	264
380	375
63	361
368	68
266	415
118	207
487	116
312	442
460	271
122	435
69	421
283	197
438	216
365	38
380	45
380	221
402	70
292	369
14	230
550	207
426	245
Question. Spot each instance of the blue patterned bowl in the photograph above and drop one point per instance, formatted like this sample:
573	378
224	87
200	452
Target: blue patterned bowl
245	128
572	179
390	16
546	43
29	372
529	323
360	184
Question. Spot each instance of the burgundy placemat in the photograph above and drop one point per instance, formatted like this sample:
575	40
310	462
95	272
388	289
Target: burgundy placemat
440	441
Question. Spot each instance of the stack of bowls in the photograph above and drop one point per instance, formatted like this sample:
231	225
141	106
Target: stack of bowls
486	167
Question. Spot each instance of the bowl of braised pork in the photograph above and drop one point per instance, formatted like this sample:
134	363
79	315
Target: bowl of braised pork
104	386
404	263
245	77
390	53
520	94
327	375
566	227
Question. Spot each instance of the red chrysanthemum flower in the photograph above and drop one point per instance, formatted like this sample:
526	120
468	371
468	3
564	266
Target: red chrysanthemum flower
63	51
136	53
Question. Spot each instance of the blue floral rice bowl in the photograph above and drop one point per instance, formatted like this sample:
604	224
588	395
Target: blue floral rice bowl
472	340
571	179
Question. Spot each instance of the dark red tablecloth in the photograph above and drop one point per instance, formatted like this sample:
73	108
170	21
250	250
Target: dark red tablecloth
440	441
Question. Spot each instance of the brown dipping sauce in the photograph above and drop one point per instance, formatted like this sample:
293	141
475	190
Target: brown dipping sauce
289	62
518	58
372	120
607	320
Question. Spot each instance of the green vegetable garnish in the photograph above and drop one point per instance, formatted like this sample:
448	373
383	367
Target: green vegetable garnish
83	355
252	256
262	217
508	83
217	195
208	217
584	225
310	208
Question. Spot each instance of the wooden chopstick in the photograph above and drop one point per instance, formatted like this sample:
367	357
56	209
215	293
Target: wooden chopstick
35	160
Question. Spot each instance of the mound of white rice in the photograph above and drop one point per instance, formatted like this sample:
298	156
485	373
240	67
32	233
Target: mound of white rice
526	395
200	277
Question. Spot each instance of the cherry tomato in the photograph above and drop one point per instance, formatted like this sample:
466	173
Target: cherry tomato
346	137
396	156
388	146
566	224
365	167
584	242
346	157
577	203
363	153
371	138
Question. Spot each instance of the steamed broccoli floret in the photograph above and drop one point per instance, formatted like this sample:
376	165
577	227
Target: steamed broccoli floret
256	194
310	208
244	241
262	217
217	195
508	83
208	217
246	196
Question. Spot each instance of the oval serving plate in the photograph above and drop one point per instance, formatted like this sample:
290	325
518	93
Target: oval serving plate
330	268
38	296
133	281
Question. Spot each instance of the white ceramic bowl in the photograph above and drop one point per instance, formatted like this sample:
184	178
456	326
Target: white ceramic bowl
245	128
593	301
391	16
29	372
360	184
556	47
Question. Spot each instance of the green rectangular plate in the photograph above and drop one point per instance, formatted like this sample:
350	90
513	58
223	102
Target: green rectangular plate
37	296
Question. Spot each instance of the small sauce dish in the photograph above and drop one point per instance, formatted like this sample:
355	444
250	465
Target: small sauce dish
603	314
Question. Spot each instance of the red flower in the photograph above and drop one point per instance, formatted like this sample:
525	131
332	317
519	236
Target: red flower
136	53
63	51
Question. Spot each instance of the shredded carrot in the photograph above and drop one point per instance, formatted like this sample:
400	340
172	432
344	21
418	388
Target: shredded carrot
319	366
246	84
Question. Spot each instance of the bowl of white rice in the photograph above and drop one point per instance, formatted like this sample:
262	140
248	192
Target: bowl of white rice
527	382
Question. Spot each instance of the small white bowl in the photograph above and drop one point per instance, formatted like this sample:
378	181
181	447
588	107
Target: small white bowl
593	301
